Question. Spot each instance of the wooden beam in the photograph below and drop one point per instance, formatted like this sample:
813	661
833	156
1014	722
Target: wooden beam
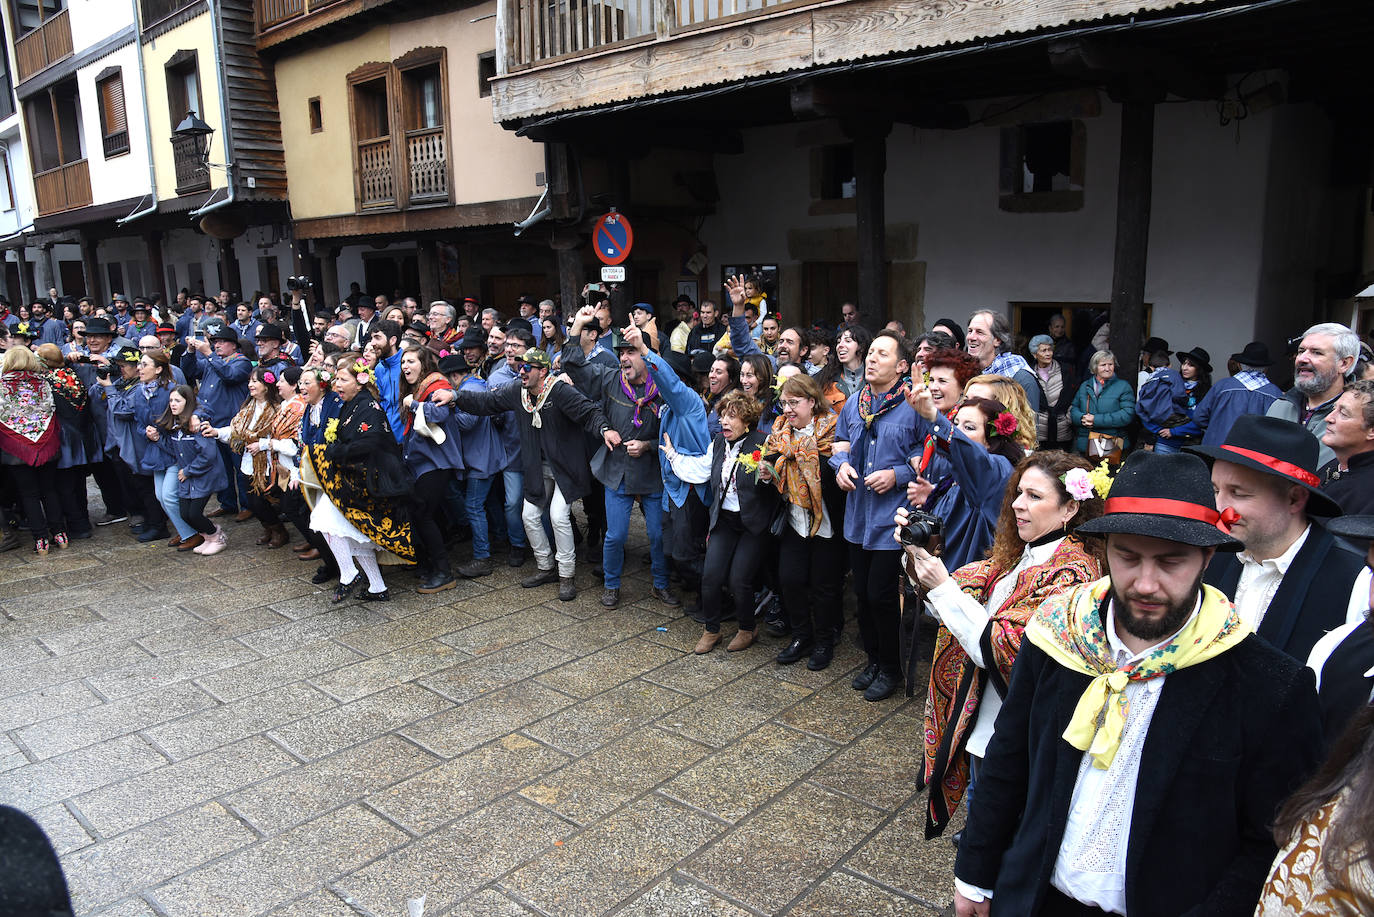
1133	197
1133	70
870	167
817	99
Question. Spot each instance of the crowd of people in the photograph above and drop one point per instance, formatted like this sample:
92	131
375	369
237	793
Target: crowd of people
1074	537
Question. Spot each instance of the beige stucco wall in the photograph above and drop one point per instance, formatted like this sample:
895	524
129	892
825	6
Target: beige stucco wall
195	35
489	163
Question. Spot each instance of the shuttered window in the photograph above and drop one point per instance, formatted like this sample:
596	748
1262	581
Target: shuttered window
114	126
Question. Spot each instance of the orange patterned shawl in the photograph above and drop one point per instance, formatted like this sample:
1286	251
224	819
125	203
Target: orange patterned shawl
956	684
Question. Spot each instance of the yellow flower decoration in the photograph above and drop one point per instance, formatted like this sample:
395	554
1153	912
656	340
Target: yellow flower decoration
331	430
1102	479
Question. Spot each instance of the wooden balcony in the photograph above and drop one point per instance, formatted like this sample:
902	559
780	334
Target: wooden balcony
64	188
427	163
272	13
559	55
376	174
189	162
44	46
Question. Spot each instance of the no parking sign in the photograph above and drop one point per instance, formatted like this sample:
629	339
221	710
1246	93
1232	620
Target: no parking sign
613	236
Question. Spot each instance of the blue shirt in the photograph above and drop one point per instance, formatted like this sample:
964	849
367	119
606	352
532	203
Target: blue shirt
971	505
1160	398
506	424
683	420
889	441
198	459
223	384
484	452
389	387
1230	398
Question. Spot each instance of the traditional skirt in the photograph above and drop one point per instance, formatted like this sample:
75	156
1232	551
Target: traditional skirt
342	506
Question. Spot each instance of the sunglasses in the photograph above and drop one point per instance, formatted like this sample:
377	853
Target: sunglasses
526	367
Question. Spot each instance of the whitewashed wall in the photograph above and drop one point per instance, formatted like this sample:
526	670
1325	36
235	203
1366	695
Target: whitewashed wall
126	175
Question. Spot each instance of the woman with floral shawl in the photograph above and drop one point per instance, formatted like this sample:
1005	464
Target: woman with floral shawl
983	609
811	551
30	438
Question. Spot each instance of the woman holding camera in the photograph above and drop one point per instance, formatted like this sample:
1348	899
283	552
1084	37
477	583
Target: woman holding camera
983	609
136	399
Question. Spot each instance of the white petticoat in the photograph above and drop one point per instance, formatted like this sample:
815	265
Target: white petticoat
326	519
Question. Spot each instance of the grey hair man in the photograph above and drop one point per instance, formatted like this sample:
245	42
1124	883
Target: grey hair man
1324	363
989	341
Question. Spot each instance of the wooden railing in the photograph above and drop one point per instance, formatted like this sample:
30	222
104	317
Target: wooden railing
275	12
64	188
44	46
540	30
376	173
158	10
427	160
192	173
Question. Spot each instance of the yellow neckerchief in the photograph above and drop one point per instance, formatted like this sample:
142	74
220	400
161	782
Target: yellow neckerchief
1070	628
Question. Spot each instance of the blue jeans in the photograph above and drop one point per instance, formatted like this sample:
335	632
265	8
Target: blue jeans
618	507
165	486
513	479
1164	447
229	496
477	490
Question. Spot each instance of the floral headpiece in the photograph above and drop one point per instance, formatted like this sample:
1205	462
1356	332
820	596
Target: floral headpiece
363	370
1004	424
1084	485
23	330
323	375
443	353
269	377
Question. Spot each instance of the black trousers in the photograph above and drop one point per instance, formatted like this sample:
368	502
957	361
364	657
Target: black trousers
142	495
295	510
1058	904
875	589
71	490
192	511
733	556
262	506
37	490
431	491
810	577
684	535
107	479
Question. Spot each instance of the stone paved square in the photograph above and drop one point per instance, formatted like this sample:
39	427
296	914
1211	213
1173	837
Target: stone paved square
210	736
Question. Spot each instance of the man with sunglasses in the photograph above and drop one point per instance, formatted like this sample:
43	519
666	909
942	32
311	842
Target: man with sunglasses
555	467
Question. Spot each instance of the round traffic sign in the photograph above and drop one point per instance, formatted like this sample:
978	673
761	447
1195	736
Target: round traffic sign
612	238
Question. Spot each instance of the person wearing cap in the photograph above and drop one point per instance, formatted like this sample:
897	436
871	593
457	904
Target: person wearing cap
685	319
1152	346
368	317
48	330
7	318
167	337
1247	391
642	315
1147	737
1325	362
629	471
79	445
527	309
1292	581
222	372
555	464
1349	477
1181	430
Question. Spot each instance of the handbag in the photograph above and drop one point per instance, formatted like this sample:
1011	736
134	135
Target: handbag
1105	445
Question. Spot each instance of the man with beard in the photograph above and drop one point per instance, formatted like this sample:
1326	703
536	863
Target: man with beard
386	344
1147	737
1292	582
630	471
1325	357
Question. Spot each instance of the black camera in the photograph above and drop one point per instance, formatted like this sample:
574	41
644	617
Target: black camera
105	371
922	530
299	283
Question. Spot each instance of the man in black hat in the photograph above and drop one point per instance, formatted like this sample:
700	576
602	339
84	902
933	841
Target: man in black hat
1152	346
550	413
269	343
1292	582
1343	660
1247	391
1137	763
222	371
629	471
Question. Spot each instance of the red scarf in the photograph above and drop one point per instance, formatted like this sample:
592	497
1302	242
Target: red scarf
434	382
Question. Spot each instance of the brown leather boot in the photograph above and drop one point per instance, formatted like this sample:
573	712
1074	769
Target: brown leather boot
708	642
742	640
278	536
266	535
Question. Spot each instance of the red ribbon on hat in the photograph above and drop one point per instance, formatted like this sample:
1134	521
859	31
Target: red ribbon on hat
1160	506
1282	467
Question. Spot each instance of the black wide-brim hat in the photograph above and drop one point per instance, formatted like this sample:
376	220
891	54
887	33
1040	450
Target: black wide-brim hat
1166	496
1256	353
1197	355
473	337
99	325
271	332
1277	447
1354	528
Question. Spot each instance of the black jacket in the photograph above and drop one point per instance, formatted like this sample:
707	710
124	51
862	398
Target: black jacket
616	468
558	440
1229	740
1353	488
758	502
1312	598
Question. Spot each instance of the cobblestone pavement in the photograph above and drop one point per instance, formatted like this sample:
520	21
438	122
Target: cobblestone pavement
210	736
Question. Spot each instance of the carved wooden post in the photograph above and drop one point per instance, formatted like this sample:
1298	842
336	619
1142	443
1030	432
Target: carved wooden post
870	167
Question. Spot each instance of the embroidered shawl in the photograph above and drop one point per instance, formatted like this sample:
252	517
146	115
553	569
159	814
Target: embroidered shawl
797	472
956	685
28	430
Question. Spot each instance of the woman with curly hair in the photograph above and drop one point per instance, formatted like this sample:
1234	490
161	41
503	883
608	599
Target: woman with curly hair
362	475
983	609
721	377
851	349
756	381
1008	392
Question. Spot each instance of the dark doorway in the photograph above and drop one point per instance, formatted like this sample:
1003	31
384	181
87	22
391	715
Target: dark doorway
73	276
387	272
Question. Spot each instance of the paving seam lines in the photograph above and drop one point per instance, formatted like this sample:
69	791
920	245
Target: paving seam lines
879	883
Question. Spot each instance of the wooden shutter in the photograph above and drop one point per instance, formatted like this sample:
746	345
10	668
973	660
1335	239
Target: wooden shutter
112	106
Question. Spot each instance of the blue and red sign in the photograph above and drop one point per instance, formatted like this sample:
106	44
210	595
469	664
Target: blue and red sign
613	237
